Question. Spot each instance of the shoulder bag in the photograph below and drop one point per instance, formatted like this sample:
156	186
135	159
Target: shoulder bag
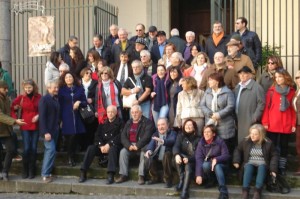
128	100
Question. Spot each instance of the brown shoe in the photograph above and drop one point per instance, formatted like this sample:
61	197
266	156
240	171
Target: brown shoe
121	179
47	179
141	180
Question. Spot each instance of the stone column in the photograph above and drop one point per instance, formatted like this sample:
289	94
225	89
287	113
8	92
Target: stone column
5	34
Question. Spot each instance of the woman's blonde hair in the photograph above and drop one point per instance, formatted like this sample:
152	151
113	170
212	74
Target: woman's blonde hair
261	130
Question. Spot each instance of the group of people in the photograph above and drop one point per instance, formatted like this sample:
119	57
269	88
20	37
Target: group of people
197	108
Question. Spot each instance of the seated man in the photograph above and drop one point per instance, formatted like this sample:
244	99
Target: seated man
160	150
136	134
107	143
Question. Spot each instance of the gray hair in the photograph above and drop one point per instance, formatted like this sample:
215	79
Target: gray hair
174	32
113	26
122	30
51	82
138	62
177	55
163	118
113	107
190	33
137	107
65	66
72	38
146	53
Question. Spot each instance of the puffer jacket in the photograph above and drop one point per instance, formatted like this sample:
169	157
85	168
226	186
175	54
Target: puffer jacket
51	72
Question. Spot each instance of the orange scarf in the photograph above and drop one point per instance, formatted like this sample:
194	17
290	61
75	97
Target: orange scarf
216	38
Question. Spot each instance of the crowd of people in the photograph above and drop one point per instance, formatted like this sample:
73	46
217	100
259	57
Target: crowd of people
197	109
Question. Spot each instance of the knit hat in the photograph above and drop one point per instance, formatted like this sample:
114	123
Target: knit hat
3	84
140	41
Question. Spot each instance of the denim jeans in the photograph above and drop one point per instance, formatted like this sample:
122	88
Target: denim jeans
49	155
146	108
249	172
163	113
218	170
30	141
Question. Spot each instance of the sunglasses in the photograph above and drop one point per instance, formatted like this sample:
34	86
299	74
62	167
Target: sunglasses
271	63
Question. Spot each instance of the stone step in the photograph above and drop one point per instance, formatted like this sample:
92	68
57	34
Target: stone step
67	185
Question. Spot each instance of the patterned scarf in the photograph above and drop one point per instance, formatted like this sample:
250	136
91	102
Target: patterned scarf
283	91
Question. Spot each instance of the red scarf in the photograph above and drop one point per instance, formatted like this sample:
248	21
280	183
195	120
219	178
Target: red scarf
101	109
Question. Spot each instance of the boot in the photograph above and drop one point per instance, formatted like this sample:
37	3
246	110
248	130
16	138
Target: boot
72	161
223	192
32	167
181	178
25	167
185	188
82	177
282	166
245	193
257	193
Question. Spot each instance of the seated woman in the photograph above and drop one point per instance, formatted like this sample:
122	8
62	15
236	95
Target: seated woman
184	153
255	152
211	158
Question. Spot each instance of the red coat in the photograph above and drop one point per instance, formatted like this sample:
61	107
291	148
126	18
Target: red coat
276	120
29	110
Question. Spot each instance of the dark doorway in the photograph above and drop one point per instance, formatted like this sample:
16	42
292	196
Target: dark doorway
195	15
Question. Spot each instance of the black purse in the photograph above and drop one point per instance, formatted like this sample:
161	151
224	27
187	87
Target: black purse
278	184
87	113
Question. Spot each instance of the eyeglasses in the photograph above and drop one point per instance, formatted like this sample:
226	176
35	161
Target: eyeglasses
271	63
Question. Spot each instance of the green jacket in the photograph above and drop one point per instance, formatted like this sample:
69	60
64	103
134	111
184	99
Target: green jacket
5	76
6	122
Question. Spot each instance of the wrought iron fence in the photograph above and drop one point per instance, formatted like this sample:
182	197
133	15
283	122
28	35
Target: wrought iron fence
72	17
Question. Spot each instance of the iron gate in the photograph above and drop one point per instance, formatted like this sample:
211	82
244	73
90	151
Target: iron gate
72	17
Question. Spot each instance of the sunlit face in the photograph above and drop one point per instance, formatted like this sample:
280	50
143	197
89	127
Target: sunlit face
189	127
140	31
73	43
175	61
190	38
139	47
232	50
279	78
91	58
62	70
219	58
53	89
153	34
174	74
244	77
169	51
217	28
239	25
208	134
200	59
113	30
185	86
137	69
69	79
162	126
271	65
213	84
28	88
254	135
111	113
122	35
97	42
87	75
144	58
194	51
161	39
161	72
124	59
136	114
100	65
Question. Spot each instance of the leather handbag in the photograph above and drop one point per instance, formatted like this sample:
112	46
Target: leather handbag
87	113
278	184
128	100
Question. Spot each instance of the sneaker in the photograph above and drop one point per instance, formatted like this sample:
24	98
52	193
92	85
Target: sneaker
47	179
17	158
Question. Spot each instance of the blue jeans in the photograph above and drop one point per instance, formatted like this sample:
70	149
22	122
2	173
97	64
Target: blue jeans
163	113
49	155
219	171
249	172
146	108
30	141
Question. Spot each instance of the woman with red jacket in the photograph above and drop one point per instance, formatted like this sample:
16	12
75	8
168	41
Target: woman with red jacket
28	104
279	118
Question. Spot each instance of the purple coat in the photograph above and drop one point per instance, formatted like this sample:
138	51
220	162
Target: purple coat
71	120
219	151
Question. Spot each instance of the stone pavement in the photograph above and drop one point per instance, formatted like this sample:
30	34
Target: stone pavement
98	188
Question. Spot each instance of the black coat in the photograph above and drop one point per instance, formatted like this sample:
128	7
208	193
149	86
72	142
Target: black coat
211	48
186	145
145	131
109	132
169	141
65	54
105	53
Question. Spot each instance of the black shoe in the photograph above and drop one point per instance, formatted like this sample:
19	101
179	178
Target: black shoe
72	162
31	174
5	176
82	177
149	182
24	175
223	196
282	172
110	178
168	184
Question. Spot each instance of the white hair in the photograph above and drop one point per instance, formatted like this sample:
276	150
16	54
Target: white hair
177	55
138	62
122	30
146	53
64	65
190	33
51	82
174	32
138	107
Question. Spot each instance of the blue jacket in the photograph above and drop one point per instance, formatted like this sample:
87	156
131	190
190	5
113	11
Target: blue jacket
49	115
169	141
71	120
218	150
65	54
